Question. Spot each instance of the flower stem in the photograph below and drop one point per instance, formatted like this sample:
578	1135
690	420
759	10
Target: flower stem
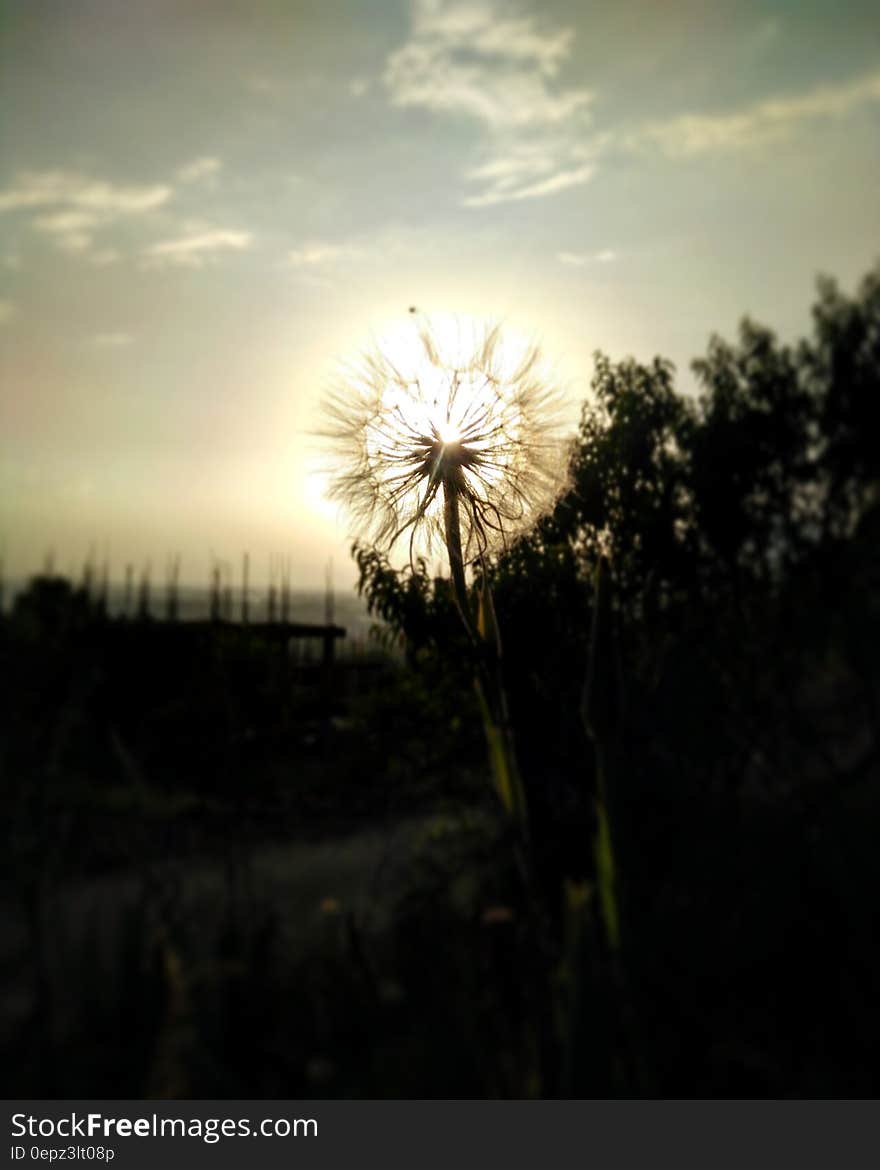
452	523
489	681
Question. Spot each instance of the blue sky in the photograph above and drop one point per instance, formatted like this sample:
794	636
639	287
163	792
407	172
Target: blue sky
204	205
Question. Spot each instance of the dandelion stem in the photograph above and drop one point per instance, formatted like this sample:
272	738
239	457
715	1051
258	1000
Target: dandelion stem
452	525
488	681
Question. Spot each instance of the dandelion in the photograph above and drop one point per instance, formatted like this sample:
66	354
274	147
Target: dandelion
446	438
451	438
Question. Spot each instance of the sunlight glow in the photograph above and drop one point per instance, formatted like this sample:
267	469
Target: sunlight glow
449	432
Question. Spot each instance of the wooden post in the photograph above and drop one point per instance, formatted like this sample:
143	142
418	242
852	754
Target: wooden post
144	595
245	573
215	593
327	672
128	595
171	597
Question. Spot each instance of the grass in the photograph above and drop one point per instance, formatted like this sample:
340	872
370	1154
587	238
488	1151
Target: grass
222	880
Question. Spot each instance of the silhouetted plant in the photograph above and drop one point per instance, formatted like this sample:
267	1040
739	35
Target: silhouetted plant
457	446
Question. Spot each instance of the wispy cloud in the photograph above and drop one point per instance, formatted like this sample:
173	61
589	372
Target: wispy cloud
316	254
7	311
471	59
75	190
531	169
72	231
73	208
558	181
205	167
580	259
112	340
474	60
760	124
76	205
197	249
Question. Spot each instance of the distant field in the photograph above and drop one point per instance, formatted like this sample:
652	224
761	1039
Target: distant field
194	604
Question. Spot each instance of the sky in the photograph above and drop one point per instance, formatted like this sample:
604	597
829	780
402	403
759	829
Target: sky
207	205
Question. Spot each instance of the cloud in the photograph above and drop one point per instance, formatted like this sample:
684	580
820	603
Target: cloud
766	122
196	249
62	222
75	205
473	60
77	191
559	181
469	59
112	340
7	311
316	254
72	208
205	167
580	259
71	231
532	169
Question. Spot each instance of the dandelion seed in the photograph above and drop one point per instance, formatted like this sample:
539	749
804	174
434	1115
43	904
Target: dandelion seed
458	413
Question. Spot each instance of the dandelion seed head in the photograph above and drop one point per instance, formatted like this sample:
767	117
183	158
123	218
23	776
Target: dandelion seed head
439	404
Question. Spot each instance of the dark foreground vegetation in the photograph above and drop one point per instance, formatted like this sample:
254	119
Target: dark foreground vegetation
230	875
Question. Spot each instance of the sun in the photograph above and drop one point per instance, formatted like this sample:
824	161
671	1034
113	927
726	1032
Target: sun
449	432
442	380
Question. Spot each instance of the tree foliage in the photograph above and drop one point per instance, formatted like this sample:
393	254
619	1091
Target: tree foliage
727	515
